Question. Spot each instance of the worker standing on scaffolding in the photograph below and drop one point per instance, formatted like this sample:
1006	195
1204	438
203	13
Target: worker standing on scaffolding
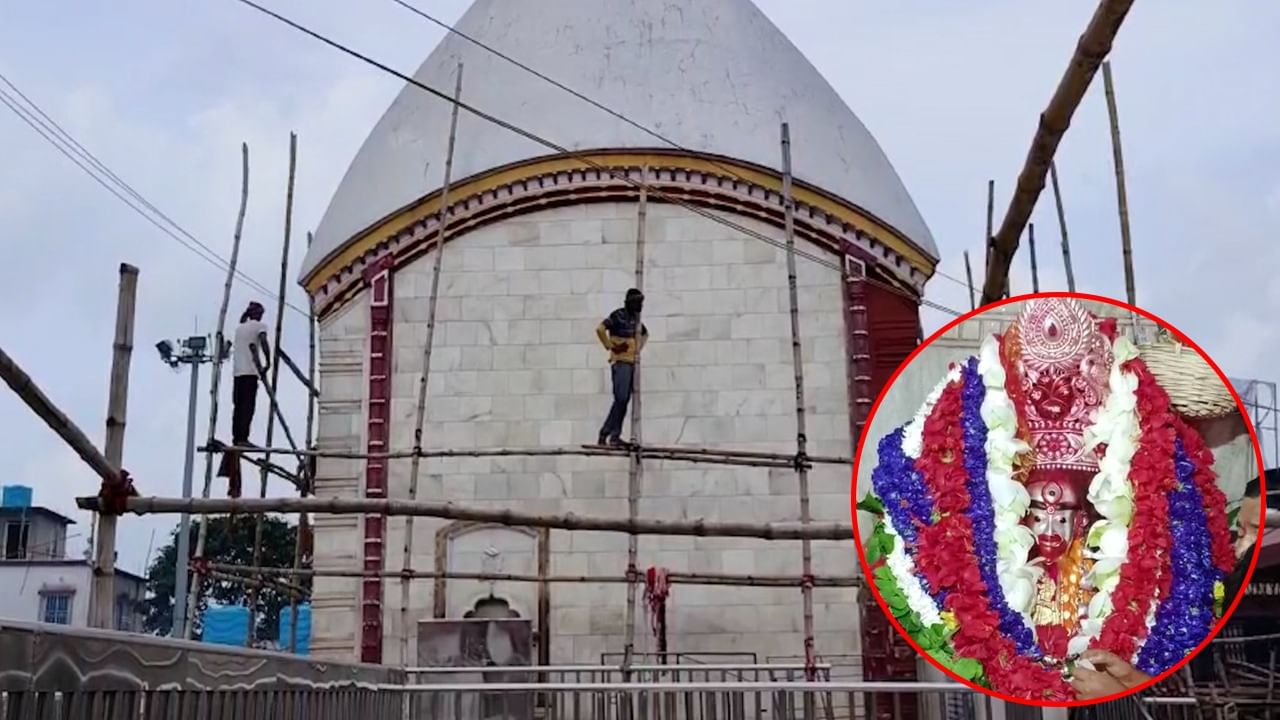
623	336
250	337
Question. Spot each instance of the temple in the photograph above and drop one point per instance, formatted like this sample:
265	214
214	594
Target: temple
539	246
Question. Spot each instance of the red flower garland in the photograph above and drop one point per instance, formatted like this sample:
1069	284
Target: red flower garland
1145	575
1215	502
947	560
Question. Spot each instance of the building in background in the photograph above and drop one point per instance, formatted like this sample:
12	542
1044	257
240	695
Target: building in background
42	584
541	246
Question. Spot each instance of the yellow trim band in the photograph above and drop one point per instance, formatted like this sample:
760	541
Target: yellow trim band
430	205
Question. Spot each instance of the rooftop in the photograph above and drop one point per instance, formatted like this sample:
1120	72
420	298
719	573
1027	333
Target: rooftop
713	76
35	511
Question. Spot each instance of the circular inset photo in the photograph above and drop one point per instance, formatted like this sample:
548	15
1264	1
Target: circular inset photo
1045	499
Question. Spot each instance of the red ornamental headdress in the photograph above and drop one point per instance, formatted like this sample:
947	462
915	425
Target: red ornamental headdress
1059	356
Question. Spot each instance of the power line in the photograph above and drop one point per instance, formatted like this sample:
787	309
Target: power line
64	142
579	156
590	101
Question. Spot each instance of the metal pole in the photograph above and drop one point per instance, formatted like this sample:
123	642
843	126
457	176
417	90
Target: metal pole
184	525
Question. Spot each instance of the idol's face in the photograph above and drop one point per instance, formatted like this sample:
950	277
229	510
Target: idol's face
1054	527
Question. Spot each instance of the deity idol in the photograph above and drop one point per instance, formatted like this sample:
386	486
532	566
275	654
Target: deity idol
1060	358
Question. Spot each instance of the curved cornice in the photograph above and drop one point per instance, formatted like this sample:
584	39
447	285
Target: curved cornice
709	183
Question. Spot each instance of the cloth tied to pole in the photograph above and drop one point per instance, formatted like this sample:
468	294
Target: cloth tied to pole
115	494
657	588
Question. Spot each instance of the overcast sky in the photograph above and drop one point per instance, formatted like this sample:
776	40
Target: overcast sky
164	93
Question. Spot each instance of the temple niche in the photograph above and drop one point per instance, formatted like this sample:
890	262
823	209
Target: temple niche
539	248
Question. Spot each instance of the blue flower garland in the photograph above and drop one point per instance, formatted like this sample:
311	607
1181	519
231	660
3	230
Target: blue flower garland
982	514
901	488
1186	616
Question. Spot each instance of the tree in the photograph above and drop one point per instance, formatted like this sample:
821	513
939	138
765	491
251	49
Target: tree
229	541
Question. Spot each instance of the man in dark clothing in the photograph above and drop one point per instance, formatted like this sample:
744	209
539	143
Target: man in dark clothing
623	336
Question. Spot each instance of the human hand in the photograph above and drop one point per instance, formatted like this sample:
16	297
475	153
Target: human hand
1112	665
1091	684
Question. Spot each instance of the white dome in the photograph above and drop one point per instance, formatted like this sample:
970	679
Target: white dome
714	76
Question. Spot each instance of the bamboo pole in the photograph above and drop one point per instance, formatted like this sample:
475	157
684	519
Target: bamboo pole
1062	227
691	454
193	596
1031	246
991	218
1094	45
102	598
725	579
797	360
277	412
26	389
636	475
297	372
968	273
275	375
307	475
421	412
1122	197
297	481
452	511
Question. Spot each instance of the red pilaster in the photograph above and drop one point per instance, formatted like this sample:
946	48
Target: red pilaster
379	277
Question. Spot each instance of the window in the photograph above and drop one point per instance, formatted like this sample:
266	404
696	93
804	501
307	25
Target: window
124	613
57	608
15	539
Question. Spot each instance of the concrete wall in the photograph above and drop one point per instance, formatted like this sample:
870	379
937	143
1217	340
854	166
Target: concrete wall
25	582
516	363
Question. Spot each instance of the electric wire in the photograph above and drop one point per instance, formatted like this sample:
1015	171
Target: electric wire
580	157
590	101
64	142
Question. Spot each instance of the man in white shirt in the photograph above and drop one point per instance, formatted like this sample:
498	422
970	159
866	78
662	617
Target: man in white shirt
250	338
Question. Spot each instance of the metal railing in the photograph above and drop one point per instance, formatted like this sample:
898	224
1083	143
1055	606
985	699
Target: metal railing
49	672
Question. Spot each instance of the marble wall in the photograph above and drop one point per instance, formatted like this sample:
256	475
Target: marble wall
516	363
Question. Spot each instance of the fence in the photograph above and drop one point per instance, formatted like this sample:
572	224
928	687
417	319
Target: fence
49	672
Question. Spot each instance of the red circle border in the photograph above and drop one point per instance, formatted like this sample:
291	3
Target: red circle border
862	440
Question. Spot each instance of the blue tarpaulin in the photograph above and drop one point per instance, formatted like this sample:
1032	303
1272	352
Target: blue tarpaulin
304	629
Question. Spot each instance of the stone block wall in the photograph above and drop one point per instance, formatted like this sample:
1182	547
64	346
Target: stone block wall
516	363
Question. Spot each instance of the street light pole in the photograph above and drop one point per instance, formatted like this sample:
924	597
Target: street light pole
184	525
194	352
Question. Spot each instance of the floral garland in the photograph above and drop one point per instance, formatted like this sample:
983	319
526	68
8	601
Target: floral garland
1145	577
1186	616
949	550
1009	497
1212	497
1117	429
947	561
981	513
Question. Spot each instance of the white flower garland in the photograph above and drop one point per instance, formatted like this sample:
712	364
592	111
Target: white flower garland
904	572
1110	492
913	433
1009	498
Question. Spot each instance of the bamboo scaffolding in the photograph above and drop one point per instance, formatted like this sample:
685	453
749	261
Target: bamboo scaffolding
691	454
1031	246
421	412
277	413
636	475
193	596
452	511
273	385
1122	196
797	359
309	463
292	478
724	579
1062	227
968	273
295	592
102	594
1094	45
